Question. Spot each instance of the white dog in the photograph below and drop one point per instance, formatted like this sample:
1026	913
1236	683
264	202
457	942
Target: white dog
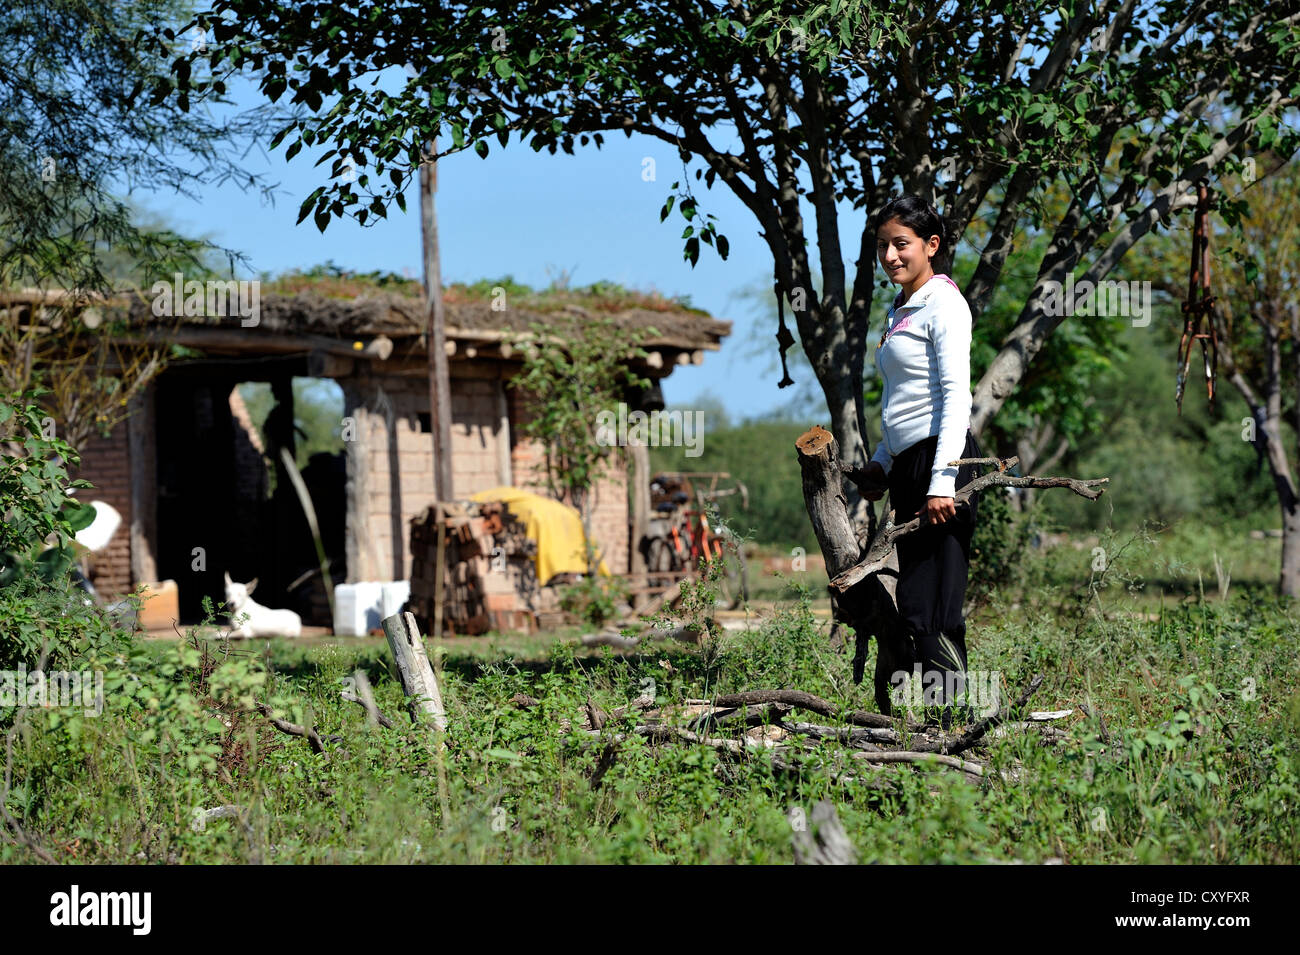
262	621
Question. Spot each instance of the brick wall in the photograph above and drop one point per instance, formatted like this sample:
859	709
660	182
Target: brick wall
106	464
399	458
609	519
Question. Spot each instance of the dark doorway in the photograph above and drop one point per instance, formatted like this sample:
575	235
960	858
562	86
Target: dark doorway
196	489
217	513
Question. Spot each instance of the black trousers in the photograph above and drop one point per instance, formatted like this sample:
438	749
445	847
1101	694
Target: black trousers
933	566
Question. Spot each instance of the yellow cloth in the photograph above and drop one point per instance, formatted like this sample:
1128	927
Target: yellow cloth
555	526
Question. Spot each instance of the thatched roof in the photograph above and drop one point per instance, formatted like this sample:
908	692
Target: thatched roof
650	321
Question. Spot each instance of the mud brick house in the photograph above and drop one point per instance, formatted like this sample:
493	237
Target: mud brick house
189	474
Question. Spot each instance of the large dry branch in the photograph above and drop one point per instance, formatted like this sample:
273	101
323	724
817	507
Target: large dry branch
373	713
973	736
804	701
882	546
908	756
613	638
293	729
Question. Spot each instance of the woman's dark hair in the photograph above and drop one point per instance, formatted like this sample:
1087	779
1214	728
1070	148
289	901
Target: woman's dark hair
921	217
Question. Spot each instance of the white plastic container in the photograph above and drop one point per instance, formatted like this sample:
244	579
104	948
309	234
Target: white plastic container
394	595
357	608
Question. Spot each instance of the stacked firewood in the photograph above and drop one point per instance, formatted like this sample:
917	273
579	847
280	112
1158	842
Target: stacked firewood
489	569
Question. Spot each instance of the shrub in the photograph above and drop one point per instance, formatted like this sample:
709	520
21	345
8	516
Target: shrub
594	599
36	506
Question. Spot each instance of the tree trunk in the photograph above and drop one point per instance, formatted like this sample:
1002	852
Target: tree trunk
1289	582
1266	409
868	607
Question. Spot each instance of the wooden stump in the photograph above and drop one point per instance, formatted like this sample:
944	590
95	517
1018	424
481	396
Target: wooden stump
413	668
869	606
823	494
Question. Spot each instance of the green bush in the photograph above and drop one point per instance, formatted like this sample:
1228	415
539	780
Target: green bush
36	507
997	547
594	599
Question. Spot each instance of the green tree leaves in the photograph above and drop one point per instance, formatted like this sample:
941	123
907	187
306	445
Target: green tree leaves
38	511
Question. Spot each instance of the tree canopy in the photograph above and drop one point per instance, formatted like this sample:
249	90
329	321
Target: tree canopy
805	106
84	120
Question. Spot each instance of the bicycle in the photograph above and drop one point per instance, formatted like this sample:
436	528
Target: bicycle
682	537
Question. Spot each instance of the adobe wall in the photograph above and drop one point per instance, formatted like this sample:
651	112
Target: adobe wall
397	458
389	471
609	520
106	463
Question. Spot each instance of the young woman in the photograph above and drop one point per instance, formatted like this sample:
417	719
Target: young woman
923	359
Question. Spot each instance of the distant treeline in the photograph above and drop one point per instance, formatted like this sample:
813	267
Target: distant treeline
1162	467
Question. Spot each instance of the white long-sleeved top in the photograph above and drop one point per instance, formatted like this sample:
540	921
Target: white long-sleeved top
924	362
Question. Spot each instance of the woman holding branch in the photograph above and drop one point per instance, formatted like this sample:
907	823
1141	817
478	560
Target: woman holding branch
923	359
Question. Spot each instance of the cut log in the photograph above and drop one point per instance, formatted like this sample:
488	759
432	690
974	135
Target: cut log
823	493
882	547
413	668
871	608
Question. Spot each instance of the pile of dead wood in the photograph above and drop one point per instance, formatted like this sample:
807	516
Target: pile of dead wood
745	725
488	566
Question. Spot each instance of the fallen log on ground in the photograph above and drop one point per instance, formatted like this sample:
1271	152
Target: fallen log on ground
759	714
613	638
907	756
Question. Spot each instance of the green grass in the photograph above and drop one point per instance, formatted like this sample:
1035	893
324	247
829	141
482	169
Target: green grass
517	784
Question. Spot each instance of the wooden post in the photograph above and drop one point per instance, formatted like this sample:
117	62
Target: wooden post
640	491
142	430
439	569
413	667
436	339
363	564
504	475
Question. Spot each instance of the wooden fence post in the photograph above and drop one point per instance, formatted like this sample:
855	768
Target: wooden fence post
413	667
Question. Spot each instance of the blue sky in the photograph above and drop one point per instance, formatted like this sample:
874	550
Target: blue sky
522	213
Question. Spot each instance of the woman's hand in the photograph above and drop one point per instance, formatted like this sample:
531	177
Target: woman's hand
875	473
938	509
